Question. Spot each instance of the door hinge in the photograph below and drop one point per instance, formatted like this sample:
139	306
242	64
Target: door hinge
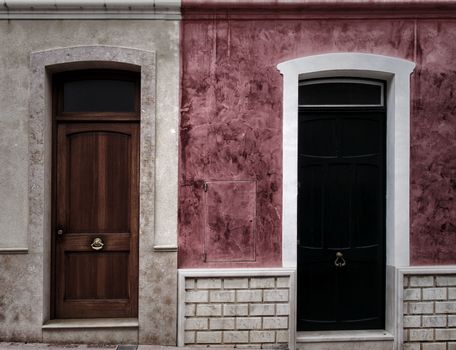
204	256
205	187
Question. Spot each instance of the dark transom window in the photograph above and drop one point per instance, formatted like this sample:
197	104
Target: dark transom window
100	93
343	92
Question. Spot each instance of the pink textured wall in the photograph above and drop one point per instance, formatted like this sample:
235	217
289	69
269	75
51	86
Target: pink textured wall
231	123
433	145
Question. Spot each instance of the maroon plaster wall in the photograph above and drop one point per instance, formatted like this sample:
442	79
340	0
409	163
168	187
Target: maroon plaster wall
231	128
433	145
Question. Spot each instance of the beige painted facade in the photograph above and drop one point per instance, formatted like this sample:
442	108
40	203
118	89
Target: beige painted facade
24	253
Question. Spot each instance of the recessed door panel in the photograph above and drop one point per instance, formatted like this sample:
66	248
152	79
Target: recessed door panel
360	136
229	231
358	289
99	162
100	276
310	204
367	224
337	205
316	283
318	137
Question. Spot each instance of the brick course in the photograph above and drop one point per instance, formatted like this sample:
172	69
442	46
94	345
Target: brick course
237	312
429	312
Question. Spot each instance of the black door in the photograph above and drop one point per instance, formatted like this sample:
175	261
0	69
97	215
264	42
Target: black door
341	225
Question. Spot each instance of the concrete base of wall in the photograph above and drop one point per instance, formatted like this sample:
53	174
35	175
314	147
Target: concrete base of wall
236	308
429	308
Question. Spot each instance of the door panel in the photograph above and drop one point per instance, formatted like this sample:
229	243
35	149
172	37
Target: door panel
319	138
230	232
319	281
367	224
341	202
97	196
99	162
360	136
337	205
358	289
108	269
310	220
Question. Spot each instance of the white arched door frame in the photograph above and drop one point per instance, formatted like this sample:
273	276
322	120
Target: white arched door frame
396	72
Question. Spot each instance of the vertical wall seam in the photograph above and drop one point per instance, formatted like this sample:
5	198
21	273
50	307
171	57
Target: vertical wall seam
415	39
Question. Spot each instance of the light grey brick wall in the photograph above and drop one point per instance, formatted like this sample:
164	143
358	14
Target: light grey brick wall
237	312
429	312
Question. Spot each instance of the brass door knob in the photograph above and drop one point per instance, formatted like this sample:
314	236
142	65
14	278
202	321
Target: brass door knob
340	261
97	244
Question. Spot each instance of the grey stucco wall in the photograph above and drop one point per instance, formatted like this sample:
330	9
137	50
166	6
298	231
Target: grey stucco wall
23	302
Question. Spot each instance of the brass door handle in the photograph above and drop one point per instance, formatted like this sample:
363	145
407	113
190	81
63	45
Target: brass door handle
97	244
340	261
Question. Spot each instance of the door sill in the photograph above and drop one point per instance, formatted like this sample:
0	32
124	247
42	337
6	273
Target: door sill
343	336
91	323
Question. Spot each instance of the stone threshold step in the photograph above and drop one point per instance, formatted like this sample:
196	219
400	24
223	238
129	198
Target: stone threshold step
91	323
344	336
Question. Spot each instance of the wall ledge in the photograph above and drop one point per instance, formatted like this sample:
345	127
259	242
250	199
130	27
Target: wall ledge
428	269
90	9
309	9
330	4
165	248
223	272
13	250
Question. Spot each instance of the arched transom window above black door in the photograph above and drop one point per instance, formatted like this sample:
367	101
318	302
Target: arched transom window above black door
341	204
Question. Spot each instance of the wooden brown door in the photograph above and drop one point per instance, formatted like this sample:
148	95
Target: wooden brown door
96	216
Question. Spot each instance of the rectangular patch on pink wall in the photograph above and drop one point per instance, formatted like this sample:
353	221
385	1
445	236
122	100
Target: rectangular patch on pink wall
230	214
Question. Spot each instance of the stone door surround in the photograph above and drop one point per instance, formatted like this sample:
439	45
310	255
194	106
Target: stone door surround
43	64
396	72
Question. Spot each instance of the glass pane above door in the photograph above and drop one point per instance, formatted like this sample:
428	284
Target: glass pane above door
341	93
97	95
